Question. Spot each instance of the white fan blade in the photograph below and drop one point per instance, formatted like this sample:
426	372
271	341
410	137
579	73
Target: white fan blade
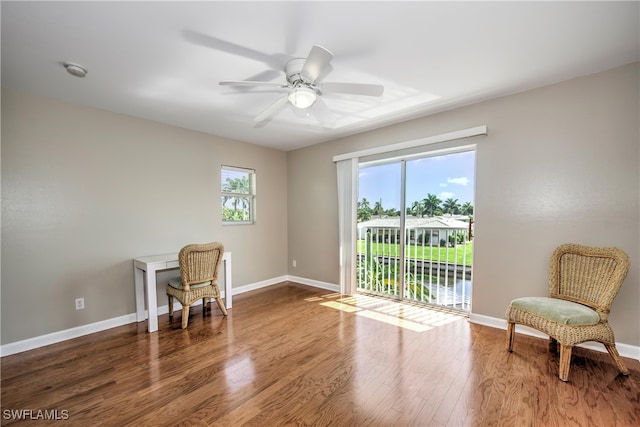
251	83
272	109
318	59
273	61
352	88
265	76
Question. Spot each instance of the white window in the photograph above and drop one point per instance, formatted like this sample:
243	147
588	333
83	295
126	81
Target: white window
238	190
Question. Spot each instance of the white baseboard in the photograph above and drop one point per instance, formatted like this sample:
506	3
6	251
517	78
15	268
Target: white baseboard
67	334
259	285
625	350
314	283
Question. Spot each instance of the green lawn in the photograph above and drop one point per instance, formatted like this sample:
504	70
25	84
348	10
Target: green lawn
430	253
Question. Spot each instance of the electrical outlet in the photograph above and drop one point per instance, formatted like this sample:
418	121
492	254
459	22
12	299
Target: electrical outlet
293	263
79	303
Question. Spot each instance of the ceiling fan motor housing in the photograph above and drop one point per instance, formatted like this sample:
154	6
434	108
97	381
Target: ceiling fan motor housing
293	70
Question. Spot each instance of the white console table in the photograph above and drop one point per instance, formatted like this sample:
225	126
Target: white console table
145	269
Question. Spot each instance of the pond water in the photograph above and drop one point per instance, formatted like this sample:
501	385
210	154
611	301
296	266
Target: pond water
458	296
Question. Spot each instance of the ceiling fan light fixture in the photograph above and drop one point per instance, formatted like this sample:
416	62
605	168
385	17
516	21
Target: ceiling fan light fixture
302	97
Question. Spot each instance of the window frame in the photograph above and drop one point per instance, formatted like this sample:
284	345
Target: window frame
250	196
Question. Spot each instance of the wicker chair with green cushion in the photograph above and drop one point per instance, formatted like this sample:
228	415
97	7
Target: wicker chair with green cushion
583	281
199	266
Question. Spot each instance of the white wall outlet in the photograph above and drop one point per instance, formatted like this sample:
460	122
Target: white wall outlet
293	263
79	303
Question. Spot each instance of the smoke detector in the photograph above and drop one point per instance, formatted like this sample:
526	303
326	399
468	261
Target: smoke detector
76	70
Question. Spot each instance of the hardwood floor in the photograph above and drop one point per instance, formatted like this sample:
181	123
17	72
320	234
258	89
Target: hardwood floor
295	355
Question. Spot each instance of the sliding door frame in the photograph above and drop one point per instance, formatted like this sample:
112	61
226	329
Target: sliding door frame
347	168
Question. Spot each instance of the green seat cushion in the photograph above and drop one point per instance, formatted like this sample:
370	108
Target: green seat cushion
176	283
558	310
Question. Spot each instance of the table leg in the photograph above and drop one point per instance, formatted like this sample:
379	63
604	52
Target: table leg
139	285
152	303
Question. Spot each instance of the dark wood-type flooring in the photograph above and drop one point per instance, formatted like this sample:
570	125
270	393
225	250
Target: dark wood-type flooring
291	354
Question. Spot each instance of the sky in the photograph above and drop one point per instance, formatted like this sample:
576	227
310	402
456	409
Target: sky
446	176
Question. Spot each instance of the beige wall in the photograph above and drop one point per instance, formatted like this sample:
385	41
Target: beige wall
84	191
560	164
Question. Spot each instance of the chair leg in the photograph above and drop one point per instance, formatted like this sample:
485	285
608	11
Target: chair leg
204	307
185	316
511	327
565	362
170	307
223	309
613	352
553	345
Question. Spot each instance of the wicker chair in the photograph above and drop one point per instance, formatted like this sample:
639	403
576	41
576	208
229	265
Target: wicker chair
583	281
199	266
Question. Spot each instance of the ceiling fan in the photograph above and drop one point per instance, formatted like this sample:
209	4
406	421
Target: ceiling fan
303	83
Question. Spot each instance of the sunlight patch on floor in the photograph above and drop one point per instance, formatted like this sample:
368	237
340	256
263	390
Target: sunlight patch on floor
393	320
404	315
340	306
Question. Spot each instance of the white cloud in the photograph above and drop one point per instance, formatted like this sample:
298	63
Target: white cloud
463	180
443	184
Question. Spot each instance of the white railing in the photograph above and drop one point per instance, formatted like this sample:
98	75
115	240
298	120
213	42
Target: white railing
437	266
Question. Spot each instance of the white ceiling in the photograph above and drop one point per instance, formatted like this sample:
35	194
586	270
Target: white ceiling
163	60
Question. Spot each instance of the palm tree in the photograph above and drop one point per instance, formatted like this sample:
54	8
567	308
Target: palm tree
417	209
364	210
378	209
467	209
239	185
451	206
364	204
392	212
431	204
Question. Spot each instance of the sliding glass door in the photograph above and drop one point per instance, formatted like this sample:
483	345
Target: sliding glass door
415	228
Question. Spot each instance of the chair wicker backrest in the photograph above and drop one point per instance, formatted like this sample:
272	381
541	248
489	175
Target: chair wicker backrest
588	275
200	263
